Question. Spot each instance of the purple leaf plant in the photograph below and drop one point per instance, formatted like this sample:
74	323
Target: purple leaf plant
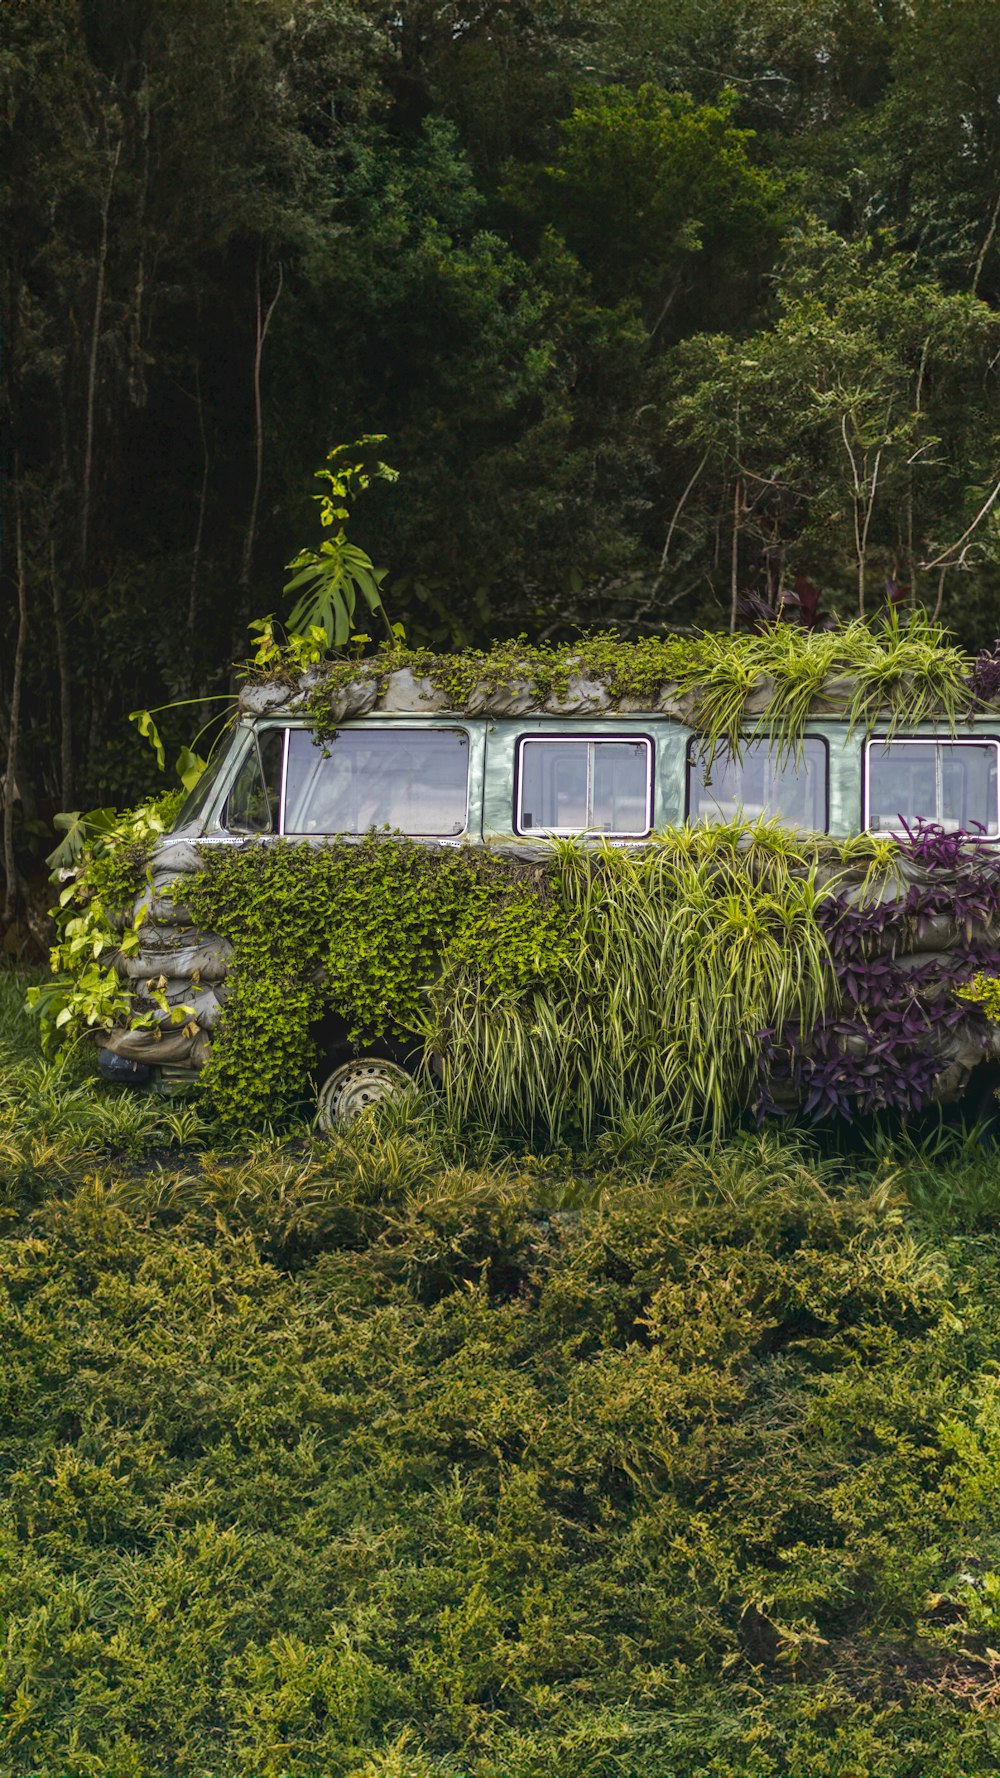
984	675
879	1045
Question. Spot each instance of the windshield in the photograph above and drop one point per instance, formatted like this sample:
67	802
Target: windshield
193	808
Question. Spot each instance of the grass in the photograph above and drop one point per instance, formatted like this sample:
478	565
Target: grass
408	1456
59	1115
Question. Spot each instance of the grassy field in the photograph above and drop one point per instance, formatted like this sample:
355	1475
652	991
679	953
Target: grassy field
405	1457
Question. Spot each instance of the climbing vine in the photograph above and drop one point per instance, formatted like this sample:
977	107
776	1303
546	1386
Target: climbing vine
360	931
96	921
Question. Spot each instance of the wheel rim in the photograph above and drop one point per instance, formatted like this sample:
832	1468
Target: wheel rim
356	1086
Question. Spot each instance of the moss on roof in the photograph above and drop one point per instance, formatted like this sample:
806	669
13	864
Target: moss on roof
895	674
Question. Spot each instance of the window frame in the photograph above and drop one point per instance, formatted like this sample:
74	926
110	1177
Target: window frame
588	740
926	741
760	740
392	728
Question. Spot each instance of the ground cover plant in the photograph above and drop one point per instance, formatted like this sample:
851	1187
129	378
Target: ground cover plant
407	1455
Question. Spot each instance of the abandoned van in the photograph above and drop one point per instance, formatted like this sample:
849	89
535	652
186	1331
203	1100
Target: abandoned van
512	773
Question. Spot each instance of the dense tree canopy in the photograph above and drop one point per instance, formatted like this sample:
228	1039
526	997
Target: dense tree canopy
655	301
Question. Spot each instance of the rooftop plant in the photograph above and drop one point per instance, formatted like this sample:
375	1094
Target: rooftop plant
894	673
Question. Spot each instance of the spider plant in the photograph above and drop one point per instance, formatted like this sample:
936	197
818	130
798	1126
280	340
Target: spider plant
749	686
686	948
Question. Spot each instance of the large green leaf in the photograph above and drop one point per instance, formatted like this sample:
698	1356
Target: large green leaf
77	829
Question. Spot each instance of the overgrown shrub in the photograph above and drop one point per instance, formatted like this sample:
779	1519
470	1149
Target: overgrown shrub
395	1456
551	994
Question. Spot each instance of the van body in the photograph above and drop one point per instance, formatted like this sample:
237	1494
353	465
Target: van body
512	778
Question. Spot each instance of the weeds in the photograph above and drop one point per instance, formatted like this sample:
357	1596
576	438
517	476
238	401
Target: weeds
951	1177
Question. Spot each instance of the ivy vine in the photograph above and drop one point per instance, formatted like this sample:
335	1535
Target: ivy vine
360	930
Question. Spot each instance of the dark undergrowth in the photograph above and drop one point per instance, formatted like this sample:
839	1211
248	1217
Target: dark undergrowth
400	1456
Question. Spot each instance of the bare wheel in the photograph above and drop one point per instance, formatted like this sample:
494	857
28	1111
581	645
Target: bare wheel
356	1085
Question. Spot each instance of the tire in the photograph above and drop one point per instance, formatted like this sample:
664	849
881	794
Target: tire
353	1087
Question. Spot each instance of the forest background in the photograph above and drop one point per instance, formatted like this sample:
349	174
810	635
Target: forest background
656	302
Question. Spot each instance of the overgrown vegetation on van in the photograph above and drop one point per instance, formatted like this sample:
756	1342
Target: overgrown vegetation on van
552	994
736	686
407	1455
713	969
689	978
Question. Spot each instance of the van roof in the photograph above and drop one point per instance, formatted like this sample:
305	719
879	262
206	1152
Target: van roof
903	671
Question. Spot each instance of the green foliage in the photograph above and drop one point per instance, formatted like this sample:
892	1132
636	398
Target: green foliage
844	437
581	988
680	949
895	675
392	1458
77	828
985	991
57	1118
146	727
295	654
359	930
738	685
96	921
648	183
329	583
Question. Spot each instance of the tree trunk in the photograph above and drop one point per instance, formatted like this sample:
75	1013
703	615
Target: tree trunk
95	340
12	885
192	616
263	323
734	556
987	244
65	688
137	358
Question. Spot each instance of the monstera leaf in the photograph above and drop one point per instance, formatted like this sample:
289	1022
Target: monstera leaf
77	829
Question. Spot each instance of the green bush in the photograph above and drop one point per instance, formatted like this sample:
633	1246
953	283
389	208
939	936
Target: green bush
402	1457
582	987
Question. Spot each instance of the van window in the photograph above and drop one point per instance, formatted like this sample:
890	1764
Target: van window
584	786
200	799
253	803
953	783
415	781
757	784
